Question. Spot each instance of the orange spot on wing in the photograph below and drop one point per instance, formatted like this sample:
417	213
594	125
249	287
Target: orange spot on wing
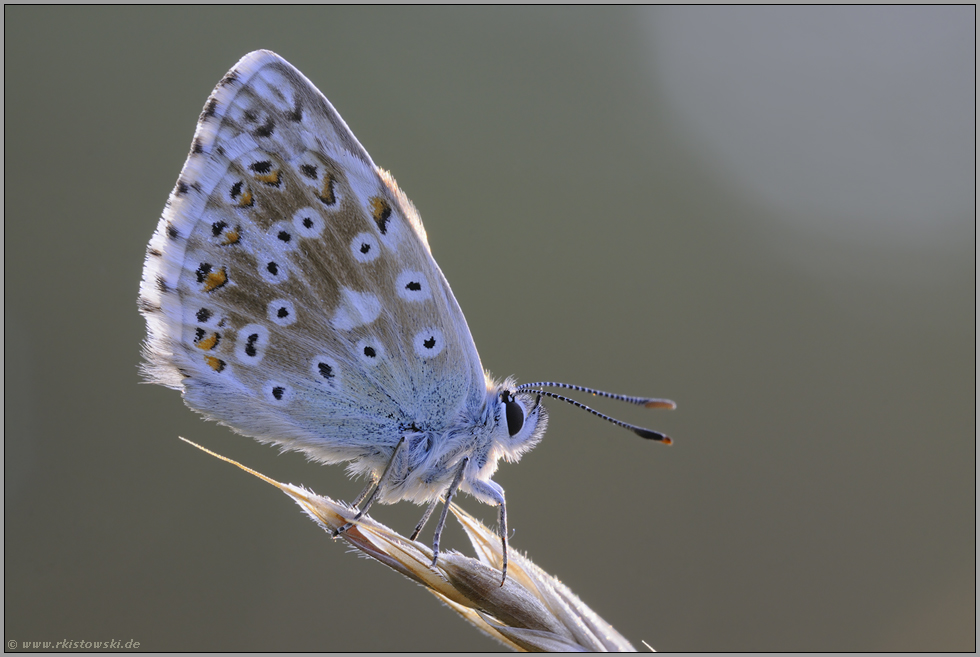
379	208
215	279
215	364
326	192
271	178
208	343
381	213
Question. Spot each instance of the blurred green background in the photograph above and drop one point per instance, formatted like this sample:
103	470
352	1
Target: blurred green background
764	214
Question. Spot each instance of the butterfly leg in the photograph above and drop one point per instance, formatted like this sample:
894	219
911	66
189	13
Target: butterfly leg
450	492
490	492
425	519
368	490
374	488
502	528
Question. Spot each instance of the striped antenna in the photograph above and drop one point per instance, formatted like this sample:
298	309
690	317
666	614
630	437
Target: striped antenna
640	401
648	402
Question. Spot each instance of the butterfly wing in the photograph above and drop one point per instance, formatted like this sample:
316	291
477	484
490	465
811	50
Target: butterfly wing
289	289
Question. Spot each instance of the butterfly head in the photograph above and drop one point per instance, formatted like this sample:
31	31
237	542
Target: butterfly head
518	419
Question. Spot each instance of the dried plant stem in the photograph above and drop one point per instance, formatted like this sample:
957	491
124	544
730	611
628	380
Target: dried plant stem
533	611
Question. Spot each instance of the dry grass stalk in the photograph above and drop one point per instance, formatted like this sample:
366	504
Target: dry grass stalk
533	611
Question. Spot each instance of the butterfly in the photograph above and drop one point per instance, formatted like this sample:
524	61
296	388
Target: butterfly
290	293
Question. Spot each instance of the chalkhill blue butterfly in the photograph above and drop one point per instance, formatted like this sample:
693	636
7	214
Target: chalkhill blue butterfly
290	293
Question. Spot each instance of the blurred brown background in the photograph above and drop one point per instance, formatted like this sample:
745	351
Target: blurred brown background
764	214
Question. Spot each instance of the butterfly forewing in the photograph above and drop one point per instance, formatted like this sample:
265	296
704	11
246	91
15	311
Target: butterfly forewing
289	288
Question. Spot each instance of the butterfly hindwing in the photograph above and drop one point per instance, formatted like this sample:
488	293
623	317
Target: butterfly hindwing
289	288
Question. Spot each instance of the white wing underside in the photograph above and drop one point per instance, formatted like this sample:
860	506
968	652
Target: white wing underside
289	289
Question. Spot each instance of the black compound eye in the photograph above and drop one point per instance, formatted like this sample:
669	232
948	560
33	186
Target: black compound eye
515	414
